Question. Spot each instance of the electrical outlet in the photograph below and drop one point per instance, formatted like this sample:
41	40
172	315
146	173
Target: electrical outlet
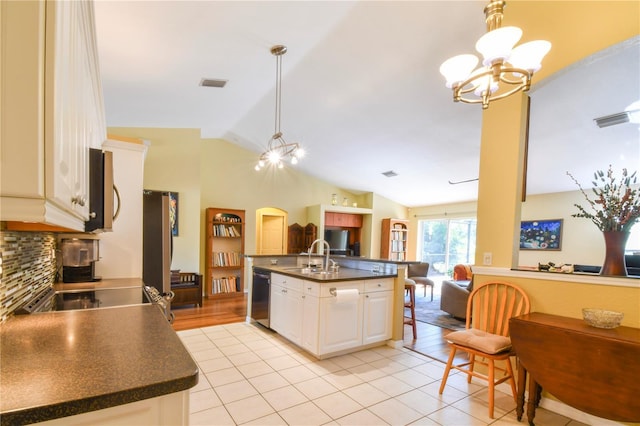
486	258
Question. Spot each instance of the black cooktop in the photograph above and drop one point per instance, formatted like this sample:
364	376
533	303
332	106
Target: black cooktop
51	300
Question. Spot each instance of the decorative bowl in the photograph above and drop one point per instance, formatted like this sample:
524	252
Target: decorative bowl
601	318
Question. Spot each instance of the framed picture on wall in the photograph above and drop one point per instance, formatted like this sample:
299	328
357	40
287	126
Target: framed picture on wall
173	212
541	234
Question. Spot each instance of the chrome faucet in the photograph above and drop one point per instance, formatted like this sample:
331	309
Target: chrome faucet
325	265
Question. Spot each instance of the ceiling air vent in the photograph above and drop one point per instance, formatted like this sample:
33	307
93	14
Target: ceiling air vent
612	120
212	82
390	173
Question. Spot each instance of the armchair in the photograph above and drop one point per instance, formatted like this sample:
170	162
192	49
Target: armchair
455	293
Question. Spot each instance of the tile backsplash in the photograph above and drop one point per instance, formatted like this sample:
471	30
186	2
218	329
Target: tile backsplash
27	266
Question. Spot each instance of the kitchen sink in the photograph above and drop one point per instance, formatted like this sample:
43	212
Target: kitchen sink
309	271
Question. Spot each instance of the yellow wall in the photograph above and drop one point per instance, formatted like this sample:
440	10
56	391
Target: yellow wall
576	30
169	166
216	173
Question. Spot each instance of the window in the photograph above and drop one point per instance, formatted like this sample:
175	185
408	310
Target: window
446	242
633	243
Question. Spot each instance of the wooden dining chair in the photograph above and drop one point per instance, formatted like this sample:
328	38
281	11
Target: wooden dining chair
489	308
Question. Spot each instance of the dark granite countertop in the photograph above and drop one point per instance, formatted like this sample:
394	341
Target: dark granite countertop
64	363
104	284
343	274
334	256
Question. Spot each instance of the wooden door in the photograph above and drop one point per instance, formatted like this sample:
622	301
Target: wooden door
272	231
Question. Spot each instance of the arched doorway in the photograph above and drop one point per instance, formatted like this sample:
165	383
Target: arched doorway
271	231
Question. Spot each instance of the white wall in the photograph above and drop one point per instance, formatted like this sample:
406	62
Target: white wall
121	249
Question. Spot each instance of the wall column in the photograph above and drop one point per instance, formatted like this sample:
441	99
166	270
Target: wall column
502	152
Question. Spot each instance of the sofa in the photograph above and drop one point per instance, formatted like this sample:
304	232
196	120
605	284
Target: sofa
455	293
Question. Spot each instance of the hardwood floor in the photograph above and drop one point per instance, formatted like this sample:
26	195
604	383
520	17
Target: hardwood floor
224	310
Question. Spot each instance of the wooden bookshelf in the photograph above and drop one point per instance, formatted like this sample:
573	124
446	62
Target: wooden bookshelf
224	252
395	233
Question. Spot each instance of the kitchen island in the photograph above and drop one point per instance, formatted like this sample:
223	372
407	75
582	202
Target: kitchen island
94	364
332	311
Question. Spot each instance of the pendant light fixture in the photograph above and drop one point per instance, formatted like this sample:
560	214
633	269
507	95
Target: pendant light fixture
278	150
502	65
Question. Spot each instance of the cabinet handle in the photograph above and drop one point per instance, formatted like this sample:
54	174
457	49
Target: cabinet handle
79	200
379	285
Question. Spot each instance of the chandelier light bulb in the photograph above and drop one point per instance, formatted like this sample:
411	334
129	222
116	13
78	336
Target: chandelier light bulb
496	45
294	160
503	65
273	157
457	69
483	83
280	165
528	56
257	168
261	163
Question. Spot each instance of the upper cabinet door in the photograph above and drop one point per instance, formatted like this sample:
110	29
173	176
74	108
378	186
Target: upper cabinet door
75	121
51	85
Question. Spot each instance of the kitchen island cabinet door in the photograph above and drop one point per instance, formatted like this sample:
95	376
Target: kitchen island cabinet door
311	312
340	324
378	310
287	306
277	308
378	316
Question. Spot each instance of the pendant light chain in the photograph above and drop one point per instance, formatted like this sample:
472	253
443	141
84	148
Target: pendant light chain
278	92
277	148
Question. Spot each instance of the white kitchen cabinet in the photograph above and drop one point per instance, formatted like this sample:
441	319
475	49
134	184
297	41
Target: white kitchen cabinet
340	322
52	111
310	316
378	311
170	409
287	307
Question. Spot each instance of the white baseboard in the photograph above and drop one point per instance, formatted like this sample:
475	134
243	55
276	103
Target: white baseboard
563	409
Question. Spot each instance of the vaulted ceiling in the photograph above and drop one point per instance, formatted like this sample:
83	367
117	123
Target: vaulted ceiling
361	90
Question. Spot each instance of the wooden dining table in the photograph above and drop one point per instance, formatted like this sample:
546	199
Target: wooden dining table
592	369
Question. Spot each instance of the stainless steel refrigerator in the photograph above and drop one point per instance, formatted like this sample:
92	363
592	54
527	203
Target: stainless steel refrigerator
156	241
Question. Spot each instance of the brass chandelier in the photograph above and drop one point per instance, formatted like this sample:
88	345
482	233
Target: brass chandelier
502	63
277	148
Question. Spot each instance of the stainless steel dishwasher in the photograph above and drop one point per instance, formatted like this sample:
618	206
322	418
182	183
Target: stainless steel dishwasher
260	296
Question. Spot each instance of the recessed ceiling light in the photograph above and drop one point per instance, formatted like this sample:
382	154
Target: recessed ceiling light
390	173
212	82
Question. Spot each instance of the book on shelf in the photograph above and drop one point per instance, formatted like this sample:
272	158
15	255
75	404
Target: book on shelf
220	230
223	258
397	245
226	217
228	284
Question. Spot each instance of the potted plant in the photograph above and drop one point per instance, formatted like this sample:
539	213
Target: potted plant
615	208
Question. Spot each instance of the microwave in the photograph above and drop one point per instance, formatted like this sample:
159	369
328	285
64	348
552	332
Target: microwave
101	192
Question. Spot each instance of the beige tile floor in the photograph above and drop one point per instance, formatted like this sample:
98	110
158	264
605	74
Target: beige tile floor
250	375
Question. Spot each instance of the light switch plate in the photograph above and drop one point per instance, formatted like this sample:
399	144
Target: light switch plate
486	258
